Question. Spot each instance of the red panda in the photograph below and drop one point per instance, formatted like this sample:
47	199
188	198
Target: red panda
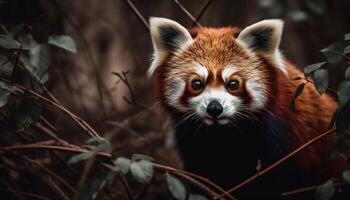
227	92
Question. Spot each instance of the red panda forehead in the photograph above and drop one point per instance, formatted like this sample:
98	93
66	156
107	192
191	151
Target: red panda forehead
216	49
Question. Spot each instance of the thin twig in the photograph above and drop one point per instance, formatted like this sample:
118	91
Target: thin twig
24	194
124	78
48	171
75	118
199	16
306	189
55	188
277	163
89	56
87	168
204	180
49	133
185	175
187	13
51	147
137	12
127	187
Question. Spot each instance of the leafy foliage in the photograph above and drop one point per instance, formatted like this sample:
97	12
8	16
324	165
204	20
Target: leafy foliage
26	111
142	171
325	191
100	143
8	43
321	80
124	164
81	157
311	68
176	188
346	176
5	91
6	68
63	41
333	53
344	92
321	73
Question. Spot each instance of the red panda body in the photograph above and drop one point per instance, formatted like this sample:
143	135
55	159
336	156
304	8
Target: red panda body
228	94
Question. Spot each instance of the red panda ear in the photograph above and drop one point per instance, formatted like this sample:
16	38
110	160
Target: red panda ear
167	36
264	38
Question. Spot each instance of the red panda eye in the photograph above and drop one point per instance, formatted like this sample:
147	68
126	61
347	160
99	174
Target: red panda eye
233	85
197	84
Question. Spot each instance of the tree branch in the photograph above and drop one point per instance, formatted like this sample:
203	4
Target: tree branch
277	163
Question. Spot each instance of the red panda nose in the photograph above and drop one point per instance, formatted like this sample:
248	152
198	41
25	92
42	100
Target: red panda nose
214	109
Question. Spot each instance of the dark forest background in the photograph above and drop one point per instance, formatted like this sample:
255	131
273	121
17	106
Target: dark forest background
104	83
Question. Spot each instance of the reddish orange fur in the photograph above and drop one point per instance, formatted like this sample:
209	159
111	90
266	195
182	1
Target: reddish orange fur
216	48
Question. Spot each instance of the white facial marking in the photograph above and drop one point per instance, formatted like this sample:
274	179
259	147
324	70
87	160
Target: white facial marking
229	103
202	72
258	93
173	95
227	72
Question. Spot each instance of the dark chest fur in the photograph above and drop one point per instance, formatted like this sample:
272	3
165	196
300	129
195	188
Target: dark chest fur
227	155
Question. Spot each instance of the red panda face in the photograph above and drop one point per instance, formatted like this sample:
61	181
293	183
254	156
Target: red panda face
215	76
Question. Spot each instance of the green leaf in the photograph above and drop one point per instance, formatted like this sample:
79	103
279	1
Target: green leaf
4	93
347	73
27	41
333	53
81	157
101	143
6	68
325	191
63	41
347	49
347	36
299	90
343	92
311	68
37	63
297	93
316	6
40	58
142	171
27	111
346	176
197	197
123	164
176	188
8	43
137	156
321	80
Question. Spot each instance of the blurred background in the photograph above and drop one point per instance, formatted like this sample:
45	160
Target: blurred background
105	81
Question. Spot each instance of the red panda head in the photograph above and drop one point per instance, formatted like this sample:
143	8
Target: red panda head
215	74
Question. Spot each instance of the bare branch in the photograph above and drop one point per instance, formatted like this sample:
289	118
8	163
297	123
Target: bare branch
187	13
277	163
199	16
86	127
185	175
24	194
137	12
